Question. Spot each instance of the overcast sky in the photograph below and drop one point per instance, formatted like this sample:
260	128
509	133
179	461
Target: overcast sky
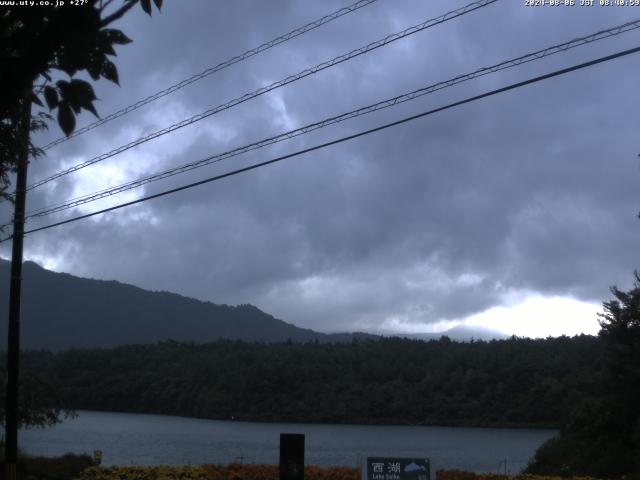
516	212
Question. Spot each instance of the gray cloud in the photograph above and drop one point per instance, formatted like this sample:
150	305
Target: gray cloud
534	190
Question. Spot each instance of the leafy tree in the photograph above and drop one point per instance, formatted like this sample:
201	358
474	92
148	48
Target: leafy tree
621	333
42	49
392	381
40	406
40	43
602	436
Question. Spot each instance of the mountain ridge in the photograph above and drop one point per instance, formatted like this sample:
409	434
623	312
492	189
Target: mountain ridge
55	308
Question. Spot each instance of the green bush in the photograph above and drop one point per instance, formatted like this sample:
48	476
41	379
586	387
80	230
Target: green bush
67	467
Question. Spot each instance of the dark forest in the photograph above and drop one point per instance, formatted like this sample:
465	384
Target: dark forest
508	383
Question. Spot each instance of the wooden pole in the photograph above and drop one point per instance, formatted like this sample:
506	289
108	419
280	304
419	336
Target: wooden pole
13	338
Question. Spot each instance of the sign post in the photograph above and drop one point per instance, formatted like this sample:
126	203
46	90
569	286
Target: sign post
291	456
392	468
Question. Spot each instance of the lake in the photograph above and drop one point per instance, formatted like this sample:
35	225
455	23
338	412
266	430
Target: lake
133	439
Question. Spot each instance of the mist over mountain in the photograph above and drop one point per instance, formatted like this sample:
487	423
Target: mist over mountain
460	333
61	311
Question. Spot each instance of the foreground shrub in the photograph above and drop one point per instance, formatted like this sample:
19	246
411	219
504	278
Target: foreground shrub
464	475
571	455
214	472
67	467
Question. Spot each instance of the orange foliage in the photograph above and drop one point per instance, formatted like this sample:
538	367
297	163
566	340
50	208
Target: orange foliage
271	472
464	475
214	472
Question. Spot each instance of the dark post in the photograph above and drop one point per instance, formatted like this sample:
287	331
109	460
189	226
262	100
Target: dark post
13	338
291	456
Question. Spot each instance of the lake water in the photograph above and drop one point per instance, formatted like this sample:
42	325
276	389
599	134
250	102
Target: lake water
132	439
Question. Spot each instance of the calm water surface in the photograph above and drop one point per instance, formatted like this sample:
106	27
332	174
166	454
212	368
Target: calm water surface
132	439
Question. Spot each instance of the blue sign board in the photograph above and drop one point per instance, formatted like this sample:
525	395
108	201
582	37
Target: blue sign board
392	468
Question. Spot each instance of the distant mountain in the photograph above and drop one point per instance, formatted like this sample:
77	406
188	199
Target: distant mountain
464	333
61	311
461	333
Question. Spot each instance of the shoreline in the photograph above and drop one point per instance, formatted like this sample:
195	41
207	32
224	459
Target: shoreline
328	423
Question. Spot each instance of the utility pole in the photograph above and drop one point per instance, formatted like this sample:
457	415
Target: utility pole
13	337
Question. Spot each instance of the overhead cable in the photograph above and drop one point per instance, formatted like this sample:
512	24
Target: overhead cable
340	140
216	68
405	97
261	91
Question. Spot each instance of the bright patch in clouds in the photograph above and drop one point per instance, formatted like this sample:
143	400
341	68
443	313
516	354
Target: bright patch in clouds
529	315
538	316
46	261
99	177
282	116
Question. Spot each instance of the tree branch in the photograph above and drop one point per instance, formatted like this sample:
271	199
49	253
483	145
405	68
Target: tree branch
103	6
118	13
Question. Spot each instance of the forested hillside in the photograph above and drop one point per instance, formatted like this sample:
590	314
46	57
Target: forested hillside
515	382
61	311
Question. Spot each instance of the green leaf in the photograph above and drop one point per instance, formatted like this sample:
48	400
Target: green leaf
158	3
146	6
82	90
104	45
64	88
66	118
107	48
109	71
92	109
115	36
69	95
78	94
84	95
94	70
51	97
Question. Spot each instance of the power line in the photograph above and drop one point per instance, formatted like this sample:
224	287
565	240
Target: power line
290	79
220	66
343	139
81	200
261	91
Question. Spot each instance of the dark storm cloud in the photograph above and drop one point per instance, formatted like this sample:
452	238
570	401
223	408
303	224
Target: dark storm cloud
534	190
